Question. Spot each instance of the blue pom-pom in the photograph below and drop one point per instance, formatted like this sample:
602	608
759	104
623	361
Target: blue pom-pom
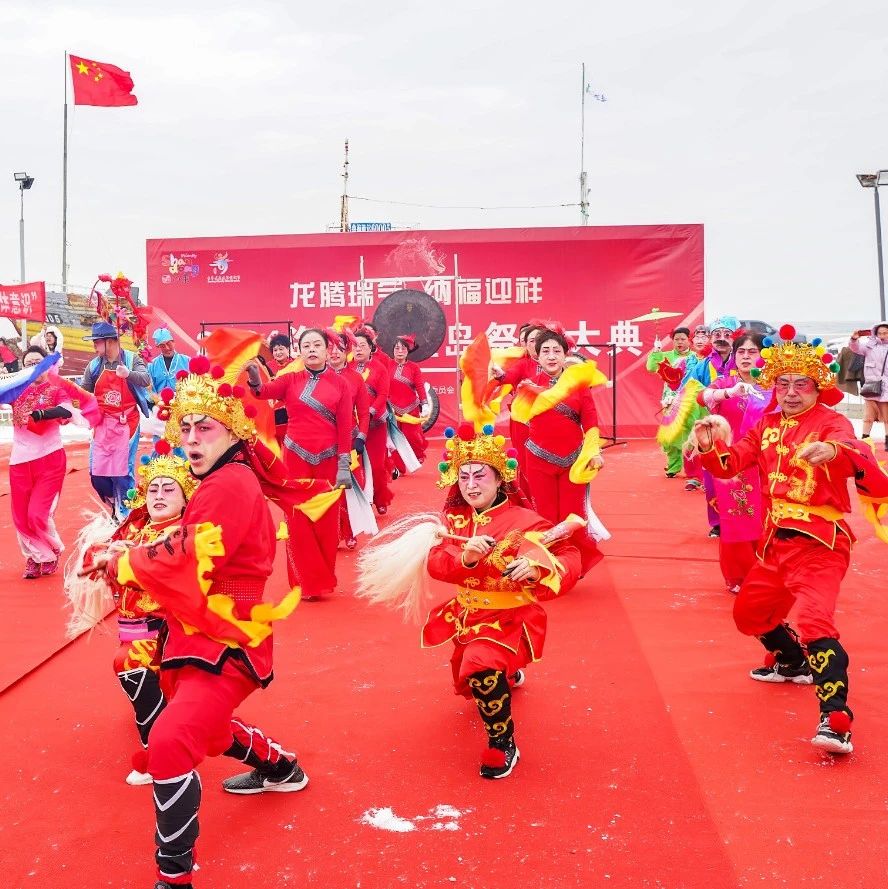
816	341
144	459
487	429
768	341
449	432
179	452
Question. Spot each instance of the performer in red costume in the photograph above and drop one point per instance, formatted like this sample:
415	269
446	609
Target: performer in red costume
377	381
156	505
562	434
209	576
317	446
805	453
503	559
407	396
341	343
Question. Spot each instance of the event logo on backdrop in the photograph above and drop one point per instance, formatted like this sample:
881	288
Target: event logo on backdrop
592	280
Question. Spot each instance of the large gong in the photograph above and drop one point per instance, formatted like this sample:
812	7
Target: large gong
406	312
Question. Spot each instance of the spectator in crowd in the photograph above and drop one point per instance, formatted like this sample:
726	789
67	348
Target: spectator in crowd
164	367
50	339
874	349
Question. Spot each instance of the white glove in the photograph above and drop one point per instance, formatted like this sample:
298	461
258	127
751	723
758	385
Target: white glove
122	371
425	410
738	389
658	344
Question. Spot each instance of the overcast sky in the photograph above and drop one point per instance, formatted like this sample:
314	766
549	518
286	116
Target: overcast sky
750	118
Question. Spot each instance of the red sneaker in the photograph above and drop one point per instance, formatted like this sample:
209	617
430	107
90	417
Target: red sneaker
47	568
32	570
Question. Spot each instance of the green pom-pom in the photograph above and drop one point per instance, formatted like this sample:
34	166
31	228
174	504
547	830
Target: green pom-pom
755	372
835	367
511	463
443	466
131	494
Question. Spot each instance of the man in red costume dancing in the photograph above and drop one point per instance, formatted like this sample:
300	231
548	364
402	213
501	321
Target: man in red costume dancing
805	454
225	547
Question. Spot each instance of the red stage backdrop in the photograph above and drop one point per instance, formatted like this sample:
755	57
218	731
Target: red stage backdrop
593	280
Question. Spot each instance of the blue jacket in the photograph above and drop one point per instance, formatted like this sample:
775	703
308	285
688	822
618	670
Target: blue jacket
161	377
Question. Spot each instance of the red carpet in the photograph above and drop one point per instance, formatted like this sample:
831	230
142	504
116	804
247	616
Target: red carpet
649	759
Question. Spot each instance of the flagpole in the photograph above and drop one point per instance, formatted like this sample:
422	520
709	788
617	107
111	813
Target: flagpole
65	187
584	207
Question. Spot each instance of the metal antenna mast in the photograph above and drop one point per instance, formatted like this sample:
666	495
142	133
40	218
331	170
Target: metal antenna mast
343	211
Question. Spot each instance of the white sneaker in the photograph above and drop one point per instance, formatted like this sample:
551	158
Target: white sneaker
136	779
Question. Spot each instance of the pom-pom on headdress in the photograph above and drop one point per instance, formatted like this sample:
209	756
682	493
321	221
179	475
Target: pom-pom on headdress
204	392
464	445
409	341
163	463
783	356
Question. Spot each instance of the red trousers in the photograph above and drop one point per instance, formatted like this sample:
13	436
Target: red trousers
34	489
196	722
311	548
736	559
555	497
485	655
417	441
377	451
796	571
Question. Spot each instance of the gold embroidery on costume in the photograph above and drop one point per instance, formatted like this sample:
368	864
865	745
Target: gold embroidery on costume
457	522
498	729
770	435
828	689
486	685
491	707
802	489
146	603
140	654
820	660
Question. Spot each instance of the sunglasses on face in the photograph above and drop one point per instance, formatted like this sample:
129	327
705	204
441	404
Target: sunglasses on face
801	386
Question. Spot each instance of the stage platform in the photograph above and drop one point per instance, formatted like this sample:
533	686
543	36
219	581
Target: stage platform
649	758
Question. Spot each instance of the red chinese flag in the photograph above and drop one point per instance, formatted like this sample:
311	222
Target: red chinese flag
96	83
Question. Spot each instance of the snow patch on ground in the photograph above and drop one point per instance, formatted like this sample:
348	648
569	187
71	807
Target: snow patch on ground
440	817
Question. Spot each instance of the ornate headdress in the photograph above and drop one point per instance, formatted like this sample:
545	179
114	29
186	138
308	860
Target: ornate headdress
203	391
162	464
464	445
787	357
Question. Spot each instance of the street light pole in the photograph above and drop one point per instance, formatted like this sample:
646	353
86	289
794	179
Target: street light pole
24	182
879	252
873	181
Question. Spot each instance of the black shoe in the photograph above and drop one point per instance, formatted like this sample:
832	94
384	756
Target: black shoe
778	672
396	474
518	678
671	474
715	531
162	884
498	763
257	782
827	738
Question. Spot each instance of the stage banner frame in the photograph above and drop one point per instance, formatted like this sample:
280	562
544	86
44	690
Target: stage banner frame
593	280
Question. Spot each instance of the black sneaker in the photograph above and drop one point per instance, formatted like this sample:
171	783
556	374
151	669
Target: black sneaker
715	531
498	763
162	884
778	672
257	782
518	678
671	474
830	740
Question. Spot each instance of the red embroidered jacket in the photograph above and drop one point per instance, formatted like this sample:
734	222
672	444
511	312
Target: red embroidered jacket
407	390
377	381
556	435
796	495
488	605
319	413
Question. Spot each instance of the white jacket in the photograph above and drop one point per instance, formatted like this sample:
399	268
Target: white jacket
39	340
